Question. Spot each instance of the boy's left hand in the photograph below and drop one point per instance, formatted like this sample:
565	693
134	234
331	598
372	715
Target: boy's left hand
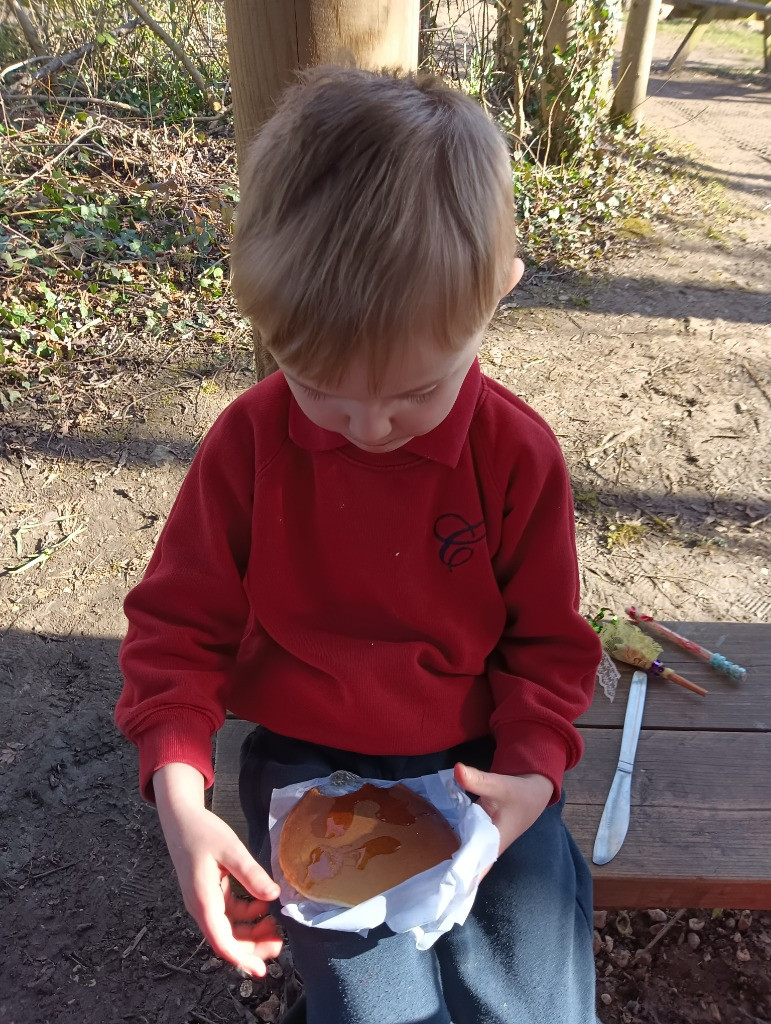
512	801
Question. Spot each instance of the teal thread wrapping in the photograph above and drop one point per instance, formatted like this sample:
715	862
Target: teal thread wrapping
727	667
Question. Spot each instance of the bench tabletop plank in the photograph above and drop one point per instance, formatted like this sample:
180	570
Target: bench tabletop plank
729	704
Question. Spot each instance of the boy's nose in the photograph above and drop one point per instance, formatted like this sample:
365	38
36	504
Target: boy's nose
369	426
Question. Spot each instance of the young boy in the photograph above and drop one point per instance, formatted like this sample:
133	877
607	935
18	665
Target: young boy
373	557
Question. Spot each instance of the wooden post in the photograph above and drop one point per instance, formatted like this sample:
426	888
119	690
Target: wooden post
636	55
268	40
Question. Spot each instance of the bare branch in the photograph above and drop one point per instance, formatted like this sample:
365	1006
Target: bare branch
23	64
175	48
51	97
50	163
65	60
31	34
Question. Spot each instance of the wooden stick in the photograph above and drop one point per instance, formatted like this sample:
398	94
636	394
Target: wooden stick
668	673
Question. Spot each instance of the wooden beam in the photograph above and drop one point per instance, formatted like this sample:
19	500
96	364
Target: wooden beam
701	804
726	6
694	34
728	706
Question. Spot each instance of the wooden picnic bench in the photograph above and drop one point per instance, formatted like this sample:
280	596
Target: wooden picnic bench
700	830
711	10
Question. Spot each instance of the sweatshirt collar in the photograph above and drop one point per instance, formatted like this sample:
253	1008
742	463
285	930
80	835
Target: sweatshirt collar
442	444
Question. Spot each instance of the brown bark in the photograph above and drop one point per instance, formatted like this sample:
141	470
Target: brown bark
636	54
510	35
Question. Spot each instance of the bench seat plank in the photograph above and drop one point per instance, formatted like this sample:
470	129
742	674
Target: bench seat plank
225	801
700	819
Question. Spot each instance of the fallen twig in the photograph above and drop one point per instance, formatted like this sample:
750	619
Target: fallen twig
757	383
51	871
134	943
613	439
660	934
45	554
50	97
209	118
195	952
50	163
173	967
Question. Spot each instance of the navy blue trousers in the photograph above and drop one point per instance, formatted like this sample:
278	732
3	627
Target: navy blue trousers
523	956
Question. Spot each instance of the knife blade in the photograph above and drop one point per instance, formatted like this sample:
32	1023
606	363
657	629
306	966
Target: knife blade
614	822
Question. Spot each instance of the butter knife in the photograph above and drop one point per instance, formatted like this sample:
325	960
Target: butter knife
615	815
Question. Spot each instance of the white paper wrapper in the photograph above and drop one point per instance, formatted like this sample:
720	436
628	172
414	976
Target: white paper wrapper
428	904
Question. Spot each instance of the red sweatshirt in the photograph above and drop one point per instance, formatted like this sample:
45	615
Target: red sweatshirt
386	603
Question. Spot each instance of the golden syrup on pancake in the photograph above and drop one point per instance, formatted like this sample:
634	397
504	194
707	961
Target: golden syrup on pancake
368	801
393	810
327	861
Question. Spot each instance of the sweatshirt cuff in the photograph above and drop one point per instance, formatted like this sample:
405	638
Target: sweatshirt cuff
531	748
185	738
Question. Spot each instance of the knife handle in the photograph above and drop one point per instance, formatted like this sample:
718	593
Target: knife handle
632	721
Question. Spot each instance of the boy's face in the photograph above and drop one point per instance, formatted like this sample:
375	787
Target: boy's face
417	393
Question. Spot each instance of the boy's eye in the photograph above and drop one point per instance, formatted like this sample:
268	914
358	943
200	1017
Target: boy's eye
422	396
311	393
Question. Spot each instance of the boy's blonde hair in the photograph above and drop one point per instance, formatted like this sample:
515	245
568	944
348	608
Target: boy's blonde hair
374	208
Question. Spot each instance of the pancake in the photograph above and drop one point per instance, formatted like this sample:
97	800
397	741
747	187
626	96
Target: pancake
345	849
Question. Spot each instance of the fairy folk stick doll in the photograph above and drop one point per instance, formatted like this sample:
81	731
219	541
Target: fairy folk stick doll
625	642
717	661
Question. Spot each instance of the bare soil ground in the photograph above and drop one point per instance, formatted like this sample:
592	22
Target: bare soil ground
657	378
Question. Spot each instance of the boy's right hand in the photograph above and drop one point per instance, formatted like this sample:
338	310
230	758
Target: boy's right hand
205	851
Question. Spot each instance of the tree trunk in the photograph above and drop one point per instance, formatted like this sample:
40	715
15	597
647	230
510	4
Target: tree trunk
636	55
510	36
558	21
605	48
31	33
268	40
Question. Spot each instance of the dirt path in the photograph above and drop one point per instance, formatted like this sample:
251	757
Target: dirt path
656	376
723	113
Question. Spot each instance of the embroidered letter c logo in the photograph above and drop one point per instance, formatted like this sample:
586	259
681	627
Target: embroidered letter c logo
457	536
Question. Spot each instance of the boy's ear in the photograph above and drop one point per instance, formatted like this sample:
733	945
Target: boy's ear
517	270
